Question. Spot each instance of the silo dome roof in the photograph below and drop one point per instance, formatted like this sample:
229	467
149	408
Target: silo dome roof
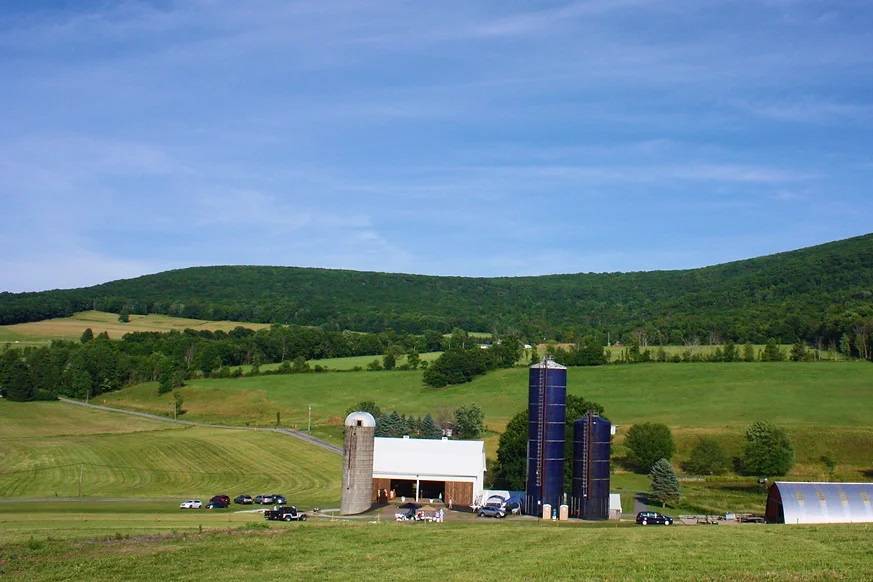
365	419
549	364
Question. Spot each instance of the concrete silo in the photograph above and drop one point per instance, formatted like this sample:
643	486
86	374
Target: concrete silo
358	463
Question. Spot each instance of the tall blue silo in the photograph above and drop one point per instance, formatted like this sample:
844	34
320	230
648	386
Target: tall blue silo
547	408
589	497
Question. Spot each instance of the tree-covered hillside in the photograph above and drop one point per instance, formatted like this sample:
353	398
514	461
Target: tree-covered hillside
817	294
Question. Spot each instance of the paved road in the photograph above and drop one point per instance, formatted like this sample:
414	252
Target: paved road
286	431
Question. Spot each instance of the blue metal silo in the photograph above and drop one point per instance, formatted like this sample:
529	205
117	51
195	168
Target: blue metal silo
547	408
589	497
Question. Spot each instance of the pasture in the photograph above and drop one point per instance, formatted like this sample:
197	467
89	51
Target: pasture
824	406
71	328
511	550
65	463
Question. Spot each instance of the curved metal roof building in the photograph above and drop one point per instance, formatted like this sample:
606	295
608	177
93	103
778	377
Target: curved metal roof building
790	502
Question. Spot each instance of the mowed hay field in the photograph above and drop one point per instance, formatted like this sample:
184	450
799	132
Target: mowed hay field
53	451
100	321
497	550
825	406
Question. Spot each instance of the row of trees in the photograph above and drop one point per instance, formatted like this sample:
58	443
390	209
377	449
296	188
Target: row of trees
461	362
95	364
767	451
466	422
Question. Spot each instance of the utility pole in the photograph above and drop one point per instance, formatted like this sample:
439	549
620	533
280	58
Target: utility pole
310	419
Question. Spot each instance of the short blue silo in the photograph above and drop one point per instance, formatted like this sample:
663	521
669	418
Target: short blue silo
547	408
589	496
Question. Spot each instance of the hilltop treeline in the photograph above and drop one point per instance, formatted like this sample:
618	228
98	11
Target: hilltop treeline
95	364
817	294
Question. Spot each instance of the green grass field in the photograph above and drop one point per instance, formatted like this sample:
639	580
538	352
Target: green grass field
42	332
515	550
825	406
346	363
112	467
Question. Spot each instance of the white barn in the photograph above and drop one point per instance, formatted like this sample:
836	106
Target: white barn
428	469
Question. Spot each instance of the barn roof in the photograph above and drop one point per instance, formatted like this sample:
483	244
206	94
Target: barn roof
813	502
407	456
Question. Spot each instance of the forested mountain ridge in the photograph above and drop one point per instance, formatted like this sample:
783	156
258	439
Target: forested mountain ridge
816	293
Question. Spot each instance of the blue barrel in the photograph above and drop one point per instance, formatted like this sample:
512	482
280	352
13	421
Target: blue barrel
589	496
547	409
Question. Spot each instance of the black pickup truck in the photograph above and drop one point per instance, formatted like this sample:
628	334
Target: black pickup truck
284	514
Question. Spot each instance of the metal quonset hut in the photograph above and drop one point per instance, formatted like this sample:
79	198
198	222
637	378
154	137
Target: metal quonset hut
547	409
797	503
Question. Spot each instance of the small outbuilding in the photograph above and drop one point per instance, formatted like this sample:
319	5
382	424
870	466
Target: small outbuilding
614	506
449	470
798	503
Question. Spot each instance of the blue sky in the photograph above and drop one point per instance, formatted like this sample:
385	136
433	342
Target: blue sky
468	138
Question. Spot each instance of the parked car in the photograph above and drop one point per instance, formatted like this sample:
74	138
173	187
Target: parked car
278	499
219	502
492	510
653	518
264	499
243	500
285	514
191	504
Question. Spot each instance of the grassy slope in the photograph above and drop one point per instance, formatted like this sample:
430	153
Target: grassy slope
508	551
99	321
46	447
825	405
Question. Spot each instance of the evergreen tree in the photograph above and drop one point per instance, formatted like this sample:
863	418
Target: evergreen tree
124	316
429	429
768	451
389	361
748	353
798	352
389	425
730	352
771	352
87	336
665	485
